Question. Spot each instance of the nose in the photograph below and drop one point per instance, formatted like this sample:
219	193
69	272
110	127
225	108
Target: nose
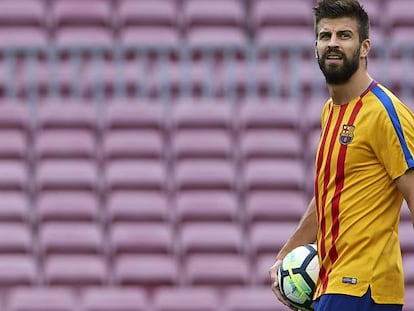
333	42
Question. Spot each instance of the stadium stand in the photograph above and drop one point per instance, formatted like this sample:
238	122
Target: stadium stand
155	154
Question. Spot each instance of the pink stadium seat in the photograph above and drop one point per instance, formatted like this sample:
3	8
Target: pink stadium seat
150	36
145	238
301	38
408	264
268	238
270	144
14	116
405	234
217	270
279	114
65	206
400	41
397	14
132	144
61	144
23	37
147	13
127	206
217	37
14	145
41	299
205	175
375	10
274	206
22	13
274	174
186	299
251	299
146	270
134	115
262	263
114	299
135	175
91	37
71	174
14	207
409	298
66	115
267	13
14	175
212	238
81	13
75	271
206	144
16	238
205	114
191	206
18	270
215	13
405	212
70	238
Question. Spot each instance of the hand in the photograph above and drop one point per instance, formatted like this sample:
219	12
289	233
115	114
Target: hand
273	272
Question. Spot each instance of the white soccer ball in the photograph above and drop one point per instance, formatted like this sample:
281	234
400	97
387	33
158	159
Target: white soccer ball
298	274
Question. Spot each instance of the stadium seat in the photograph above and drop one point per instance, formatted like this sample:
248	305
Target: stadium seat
261	266
146	270
251	299
67	206
42	298
14	116
405	212
210	238
18	271
127	206
16	238
22	37
408	264
75	271
397	14
61	144
186	299
14	145
409	298
135	174
261	206
67	174
152	38
145	238
405	235
15	208
70	238
273	174
146	13
114	299
205	175
205	144
22	13
14	176
268	238
198	206
215	13
132	144
222	270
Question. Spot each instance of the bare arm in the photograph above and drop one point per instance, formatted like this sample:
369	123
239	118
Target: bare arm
304	233
405	184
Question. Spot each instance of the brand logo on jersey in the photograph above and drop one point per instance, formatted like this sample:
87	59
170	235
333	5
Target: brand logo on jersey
347	134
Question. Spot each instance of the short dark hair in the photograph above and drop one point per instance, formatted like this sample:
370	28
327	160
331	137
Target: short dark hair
343	8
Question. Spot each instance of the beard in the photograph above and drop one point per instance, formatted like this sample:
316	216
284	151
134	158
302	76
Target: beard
339	74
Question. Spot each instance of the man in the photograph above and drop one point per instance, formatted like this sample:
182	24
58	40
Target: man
364	169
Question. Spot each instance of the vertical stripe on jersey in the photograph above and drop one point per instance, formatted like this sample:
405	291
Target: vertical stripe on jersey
389	107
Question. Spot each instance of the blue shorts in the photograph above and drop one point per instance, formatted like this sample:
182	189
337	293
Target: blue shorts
340	302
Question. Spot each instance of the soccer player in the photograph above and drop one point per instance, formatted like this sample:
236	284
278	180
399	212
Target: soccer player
364	170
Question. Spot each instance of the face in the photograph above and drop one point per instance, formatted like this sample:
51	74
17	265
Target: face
338	49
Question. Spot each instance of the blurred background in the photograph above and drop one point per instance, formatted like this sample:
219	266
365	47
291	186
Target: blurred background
156	154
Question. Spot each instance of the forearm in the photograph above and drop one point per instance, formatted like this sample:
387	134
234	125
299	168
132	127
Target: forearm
304	233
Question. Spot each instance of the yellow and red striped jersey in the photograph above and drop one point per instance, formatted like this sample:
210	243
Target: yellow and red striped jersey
365	144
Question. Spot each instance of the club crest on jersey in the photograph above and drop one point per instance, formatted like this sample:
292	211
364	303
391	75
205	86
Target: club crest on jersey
347	134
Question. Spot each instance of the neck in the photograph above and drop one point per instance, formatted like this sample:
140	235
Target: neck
354	87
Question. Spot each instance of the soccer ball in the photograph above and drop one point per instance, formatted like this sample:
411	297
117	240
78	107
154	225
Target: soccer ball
298	274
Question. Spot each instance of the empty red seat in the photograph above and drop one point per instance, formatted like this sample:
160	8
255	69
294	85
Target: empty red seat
18	270
127	206
75	271
220	270
257	298
186	299
144	238
205	175
193	206
212	237
42	298
114	299
70	238
67	206
16	238
146	270
135	175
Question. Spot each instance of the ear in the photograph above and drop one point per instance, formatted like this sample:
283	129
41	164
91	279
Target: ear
365	47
